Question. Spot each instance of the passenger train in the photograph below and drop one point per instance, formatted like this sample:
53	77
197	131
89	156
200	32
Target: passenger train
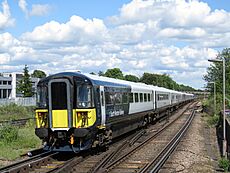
78	111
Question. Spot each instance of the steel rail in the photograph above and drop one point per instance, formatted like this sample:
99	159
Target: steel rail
33	152
109	166
113	154
26	164
136	137
156	164
67	165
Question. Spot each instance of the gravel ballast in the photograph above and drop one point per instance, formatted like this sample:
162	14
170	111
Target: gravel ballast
197	152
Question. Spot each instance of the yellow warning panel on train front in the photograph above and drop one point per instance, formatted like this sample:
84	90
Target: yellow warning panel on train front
60	118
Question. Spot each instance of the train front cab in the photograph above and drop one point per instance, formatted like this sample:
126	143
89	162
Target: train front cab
66	114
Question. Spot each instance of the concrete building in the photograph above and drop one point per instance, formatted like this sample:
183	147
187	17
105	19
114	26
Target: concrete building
8	85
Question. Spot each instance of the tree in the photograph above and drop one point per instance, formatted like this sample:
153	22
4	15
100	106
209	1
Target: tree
92	73
163	80
38	74
148	79
215	74
114	73
131	78
25	84
101	73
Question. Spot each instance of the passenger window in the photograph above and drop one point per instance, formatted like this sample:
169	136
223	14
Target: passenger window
130	97
118	98
141	97
145	97
149	98
125	98
59	101
108	98
84	96
136	97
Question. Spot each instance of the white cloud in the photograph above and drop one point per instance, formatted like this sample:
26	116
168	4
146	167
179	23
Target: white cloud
192	21
182	33
176	37
37	9
75	31
135	59
128	33
138	64
23	5
5	16
7	41
169	61
40	10
5	58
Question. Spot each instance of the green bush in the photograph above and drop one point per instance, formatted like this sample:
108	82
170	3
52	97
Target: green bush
13	111
26	140
224	163
14	139
8	134
213	120
205	102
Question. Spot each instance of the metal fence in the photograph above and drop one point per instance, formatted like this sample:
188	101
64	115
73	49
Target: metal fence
28	101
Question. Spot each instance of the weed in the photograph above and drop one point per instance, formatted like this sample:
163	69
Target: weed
224	163
14	140
13	111
25	141
213	120
8	134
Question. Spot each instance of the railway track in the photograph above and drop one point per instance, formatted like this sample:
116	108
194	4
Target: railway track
18	122
156	164
117	158
33	152
135	161
43	162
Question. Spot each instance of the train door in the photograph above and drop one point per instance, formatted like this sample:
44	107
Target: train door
170	98
153	100
60	114
102	100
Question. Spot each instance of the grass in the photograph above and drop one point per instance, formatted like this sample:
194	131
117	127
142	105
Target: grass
212	120
210	117
13	111
224	163
15	141
24	141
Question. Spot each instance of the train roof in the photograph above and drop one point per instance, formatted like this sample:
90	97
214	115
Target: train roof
134	85
101	80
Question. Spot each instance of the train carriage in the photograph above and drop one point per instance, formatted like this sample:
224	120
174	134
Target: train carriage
79	111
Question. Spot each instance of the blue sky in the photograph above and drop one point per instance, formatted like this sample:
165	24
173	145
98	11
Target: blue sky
61	11
219	4
176	37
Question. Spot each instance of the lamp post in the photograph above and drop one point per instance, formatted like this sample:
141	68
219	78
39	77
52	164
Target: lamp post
214	96
224	116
